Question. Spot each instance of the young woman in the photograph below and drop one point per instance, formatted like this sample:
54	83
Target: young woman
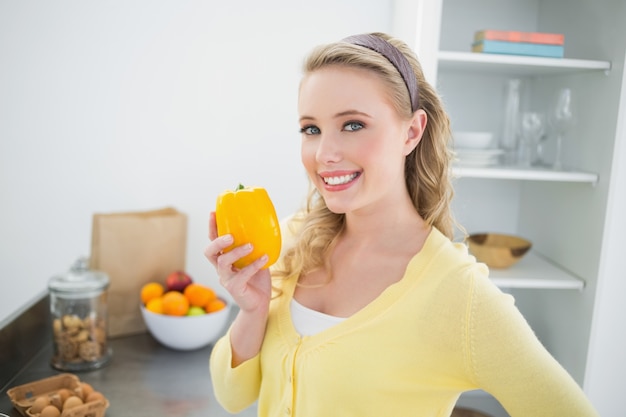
373	310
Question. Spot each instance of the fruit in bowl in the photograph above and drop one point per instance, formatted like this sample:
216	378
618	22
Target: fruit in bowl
177	281
184	320
498	250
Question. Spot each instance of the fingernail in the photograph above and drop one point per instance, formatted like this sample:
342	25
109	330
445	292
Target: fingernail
228	239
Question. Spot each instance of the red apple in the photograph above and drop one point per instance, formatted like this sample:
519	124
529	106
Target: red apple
177	281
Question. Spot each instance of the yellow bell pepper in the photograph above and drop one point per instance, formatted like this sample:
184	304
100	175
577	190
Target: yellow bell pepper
248	214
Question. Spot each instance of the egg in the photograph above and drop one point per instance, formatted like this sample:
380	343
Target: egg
39	404
64	393
72	402
56	400
86	389
94	396
50	411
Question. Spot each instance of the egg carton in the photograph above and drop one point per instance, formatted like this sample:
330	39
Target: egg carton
23	396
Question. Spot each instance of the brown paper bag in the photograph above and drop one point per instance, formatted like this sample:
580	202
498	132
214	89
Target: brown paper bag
133	249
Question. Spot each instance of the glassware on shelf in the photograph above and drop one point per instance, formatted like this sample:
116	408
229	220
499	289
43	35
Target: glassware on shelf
532	129
561	120
539	155
510	129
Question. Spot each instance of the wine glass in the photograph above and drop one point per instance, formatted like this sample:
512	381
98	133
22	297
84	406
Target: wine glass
539	157
562	119
532	129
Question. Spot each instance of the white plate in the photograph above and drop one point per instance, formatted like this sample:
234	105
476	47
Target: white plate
475	157
472	140
479	152
478	163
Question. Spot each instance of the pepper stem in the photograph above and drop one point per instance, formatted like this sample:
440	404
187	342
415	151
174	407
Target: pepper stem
239	187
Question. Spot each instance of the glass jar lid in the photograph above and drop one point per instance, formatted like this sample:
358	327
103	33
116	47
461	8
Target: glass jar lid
79	280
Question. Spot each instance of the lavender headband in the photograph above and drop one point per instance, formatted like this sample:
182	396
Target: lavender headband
394	56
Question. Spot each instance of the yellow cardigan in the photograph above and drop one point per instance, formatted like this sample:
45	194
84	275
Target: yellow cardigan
443	329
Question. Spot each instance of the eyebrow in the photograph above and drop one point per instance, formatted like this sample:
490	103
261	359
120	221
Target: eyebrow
340	114
352	112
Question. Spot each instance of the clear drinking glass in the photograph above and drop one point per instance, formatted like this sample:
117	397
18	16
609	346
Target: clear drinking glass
532	129
510	129
561	121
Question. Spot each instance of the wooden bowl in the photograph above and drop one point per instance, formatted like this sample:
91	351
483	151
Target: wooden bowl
467	412
498	250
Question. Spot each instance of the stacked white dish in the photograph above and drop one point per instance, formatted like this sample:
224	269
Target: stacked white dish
479	157
476	149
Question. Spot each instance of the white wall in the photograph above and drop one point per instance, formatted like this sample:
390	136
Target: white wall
605	362
135	105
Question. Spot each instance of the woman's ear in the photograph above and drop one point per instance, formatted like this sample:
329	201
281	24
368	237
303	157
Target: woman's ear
416	130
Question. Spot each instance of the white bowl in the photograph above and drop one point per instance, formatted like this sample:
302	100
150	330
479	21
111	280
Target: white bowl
472	140
187	332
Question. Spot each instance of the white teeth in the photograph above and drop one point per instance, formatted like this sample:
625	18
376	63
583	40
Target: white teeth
340	180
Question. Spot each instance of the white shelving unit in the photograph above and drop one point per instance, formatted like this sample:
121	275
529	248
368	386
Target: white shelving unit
520	173
519	66
516	65
535	271
571	216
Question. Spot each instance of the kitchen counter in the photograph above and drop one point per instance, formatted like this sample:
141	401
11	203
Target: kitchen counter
143	378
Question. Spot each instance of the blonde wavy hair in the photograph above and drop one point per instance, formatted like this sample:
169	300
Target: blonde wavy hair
316	228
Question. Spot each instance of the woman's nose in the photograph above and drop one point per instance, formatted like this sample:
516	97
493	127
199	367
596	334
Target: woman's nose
328	149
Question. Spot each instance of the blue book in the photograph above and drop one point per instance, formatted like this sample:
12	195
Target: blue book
518	48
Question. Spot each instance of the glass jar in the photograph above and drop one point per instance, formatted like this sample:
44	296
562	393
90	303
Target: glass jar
78	306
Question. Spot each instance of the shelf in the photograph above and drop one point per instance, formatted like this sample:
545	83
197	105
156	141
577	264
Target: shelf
519	173
516	65
534	271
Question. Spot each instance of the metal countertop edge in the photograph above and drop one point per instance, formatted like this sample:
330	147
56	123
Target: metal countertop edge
24	336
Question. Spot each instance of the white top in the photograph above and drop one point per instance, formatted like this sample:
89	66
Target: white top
308	322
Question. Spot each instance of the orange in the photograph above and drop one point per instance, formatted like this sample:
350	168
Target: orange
199	295
151	290
175	303
215	305
155	305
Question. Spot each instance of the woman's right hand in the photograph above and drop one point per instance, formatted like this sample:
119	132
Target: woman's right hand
250	287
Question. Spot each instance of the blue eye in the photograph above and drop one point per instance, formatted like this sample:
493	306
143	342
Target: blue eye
310	130
353	126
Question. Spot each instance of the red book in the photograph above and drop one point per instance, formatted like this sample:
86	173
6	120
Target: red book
516	36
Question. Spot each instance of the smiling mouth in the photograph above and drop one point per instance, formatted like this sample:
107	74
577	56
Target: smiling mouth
342	179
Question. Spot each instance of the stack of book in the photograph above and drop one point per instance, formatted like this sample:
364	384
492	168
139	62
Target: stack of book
519	43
